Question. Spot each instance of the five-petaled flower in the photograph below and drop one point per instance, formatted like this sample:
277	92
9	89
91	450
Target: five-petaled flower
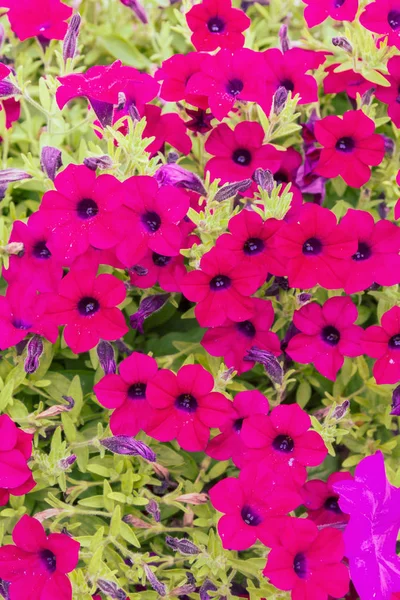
216	24
383	343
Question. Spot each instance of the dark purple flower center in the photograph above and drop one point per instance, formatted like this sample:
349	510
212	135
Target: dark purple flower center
20	324
332	504
48	560
234	87
287	84
281	177
220	283
186	402
363	252
237	425
40	250
394	342
312	246
338	3
331	335
137	391
215	25
300	565
394	19
87	209
151	221
253	246
250	516
345	144
246	328
88	306
283	443
242	156
161	261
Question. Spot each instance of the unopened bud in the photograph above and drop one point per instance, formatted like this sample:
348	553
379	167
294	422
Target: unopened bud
71	37
66	463
136	522
341	410
11	175
105	353
139	271
153	509
283	38
98	162
35	350
173	174
396	402
50	161
279	100
147	307
154	582
265	179
182	545
342	42
172	158
125	444
303	298
270	363
111	589
133	112
137	8
389	145
70	401
383	210
207	586
367	97
230	190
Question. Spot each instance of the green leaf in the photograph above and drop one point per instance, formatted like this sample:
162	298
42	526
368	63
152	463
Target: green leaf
128	535
115	525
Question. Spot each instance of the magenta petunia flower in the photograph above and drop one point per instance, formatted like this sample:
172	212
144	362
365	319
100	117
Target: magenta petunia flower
127	394
80	212
86	304
350	147
150	219
315	248
351	82
307	561
377	258
391	95
168	128
317	11
322	501
254	506
221	288
175	74
229	443
232	339
284	440
167	271
15	451
383	343
23	311
38	563
328	334
216	24
36	262
238	153
383	17
31	18
186	407
12	109
225	78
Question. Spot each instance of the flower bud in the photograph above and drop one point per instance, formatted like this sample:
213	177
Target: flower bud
396	402
279	100
383	210
147	307
173	174
35	350
182	545
136	522
70	401
4	589
265	179
389	145
232	189
303	298
50	161
341	410
98	162
172	158
153	509
11	175
207	586
283	38
194	498
133	112
71	37
125	444
270	363
8	89
343	43
66	463
367	97
105	352
111	589
154	582
137	8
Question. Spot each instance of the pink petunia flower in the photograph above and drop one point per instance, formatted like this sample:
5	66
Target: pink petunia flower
315	248
186	407
221	288
377	258
80	212
216	24
36	262
350	147
322	501
232	339
175	74
23	311
390	94
31	18
328	334
307	561
350	81
383	343
38	563
86	304
238	153
229	443
317	11
225	79
15	451
127	394
254	506
168	128
150	219
168	271
284	440
383	17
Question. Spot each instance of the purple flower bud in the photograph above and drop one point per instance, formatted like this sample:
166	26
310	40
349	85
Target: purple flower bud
341	410
367	96
66	463
122	347
111	589
173	174
70	401
383	210
139	270
154	582
71	37
105	352
269	362
396	402
182	545
147	307
264	179
153	509
50	161
125	444
303	298
283	38
232	189
4	587
133	112
10	175
8	89
98	162
279	101
35	351
137	9
207	586
172	158
389	145
343	43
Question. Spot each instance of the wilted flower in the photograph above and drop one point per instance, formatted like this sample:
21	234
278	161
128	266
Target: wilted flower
66	463
342	42
98	162
153	509
230	190
147	307
269	362
125	444
173	174
182	545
